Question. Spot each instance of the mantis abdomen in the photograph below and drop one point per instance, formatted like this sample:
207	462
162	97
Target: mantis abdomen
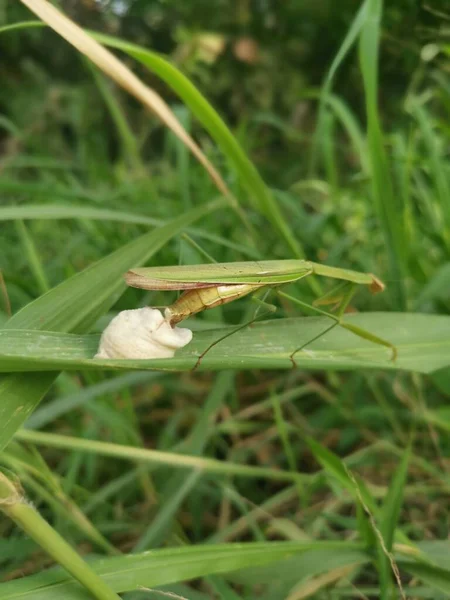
196	300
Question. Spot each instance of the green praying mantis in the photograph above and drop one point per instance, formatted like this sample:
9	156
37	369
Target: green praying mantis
209	285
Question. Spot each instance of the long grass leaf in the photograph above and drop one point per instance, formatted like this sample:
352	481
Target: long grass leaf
390	212
388	522
422	342
171	565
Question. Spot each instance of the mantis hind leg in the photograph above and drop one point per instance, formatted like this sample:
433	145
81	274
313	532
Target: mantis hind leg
344	301
257	315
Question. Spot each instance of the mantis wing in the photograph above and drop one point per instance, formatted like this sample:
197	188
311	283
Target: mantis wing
184	277
259	273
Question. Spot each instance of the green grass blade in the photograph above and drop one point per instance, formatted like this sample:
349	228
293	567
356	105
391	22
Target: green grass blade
392	504
162	567
349	40
157	530
262	197
61	211
155	457
33	257
437	165
422	341
179	485
333	465
436	577
388	522
75	305
27	518
390	212
55	409
130	149
21	25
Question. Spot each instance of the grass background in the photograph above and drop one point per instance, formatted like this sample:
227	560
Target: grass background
313	474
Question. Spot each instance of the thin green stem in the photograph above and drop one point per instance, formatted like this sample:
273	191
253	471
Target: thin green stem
153	456
33	257
14	505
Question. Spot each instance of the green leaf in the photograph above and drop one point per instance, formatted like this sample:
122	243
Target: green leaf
333	465
422	341
62	211
325	93
388	523
75	305
167	566
390	213
435	577
441	379
393	502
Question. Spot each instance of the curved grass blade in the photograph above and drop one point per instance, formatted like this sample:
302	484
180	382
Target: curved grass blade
262	197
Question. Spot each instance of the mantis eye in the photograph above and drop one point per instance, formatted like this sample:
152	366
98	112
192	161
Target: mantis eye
142	333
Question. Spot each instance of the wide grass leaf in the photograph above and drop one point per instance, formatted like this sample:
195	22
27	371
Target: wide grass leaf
422	341
162	567
75	305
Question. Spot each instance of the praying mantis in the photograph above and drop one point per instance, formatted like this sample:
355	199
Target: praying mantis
209	285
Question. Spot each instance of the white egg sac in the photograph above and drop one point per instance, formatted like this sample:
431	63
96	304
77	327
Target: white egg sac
141	333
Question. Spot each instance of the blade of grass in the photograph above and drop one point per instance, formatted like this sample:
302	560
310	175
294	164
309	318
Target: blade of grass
436	577
179	485
438	169
208	465
26	517
333	465
390	212
60	406
60	503
33	257
61	211
422	342
388	522
171	565
130	149
349	40
216	127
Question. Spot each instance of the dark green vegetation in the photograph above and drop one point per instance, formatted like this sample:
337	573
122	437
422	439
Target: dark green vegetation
329	481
